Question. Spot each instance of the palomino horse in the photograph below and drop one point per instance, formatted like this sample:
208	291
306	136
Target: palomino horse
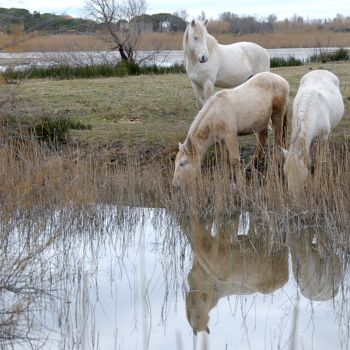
210	64
224	266
318	107
229	113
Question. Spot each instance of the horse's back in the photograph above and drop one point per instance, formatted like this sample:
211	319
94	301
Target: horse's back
319	97
268	82
239	61
320	77
255	54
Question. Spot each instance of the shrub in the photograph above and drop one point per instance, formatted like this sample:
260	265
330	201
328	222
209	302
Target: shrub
52	130
55	130
285	62
324	55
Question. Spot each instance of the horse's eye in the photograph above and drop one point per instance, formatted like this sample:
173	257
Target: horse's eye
183	163
196	38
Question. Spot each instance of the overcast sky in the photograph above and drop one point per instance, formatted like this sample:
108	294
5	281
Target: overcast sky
258	8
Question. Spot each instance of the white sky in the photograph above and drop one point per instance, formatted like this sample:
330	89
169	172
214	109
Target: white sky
258	8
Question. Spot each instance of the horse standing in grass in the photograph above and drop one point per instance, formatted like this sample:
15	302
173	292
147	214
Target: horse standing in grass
318	107
210	64
229	113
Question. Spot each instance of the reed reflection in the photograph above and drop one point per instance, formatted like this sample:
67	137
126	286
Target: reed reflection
317	265
225	264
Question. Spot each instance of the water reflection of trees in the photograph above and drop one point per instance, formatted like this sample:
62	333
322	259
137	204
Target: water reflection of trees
26	280
41	254
50	261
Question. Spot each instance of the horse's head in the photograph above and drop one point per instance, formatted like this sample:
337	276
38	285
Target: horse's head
186	165
197	40
296	170
197	310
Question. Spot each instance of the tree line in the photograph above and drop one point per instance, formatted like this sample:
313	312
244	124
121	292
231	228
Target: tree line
227	22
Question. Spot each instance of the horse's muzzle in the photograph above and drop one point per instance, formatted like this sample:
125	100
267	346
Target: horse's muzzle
203	59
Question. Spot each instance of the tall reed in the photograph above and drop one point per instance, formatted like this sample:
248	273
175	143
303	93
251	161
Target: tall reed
34	174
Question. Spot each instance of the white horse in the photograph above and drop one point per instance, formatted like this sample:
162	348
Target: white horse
318	107
210	64
317	266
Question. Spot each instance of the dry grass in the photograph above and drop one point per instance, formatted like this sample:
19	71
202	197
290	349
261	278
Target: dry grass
59	42
171	41
291	39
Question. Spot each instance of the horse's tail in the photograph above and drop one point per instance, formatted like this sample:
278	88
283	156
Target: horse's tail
285	128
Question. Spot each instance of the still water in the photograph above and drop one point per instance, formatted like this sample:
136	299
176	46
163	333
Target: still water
22	60
136	278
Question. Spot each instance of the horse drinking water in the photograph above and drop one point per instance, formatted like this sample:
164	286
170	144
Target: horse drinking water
210	64
318	107
229	113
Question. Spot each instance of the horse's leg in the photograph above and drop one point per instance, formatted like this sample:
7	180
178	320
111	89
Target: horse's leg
232	145
279	119
208	89
260	147
198	91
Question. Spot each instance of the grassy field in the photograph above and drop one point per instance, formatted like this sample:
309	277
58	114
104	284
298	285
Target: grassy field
146	114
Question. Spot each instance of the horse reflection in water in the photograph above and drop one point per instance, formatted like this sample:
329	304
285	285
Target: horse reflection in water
317	266
224	265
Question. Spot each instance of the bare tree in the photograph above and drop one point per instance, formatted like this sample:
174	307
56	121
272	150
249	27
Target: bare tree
116	17
183	14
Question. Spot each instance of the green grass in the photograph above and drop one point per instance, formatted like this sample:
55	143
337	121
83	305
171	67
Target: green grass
89	71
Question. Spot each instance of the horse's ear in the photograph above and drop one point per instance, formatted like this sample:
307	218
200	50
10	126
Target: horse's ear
207	330
181	146
193	22
189	145
206	22
285	152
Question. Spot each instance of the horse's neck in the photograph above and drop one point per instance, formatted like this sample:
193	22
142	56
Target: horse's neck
211	43
200	134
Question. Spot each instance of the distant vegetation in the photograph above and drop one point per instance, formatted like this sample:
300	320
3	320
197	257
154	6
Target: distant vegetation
227	23
231	23
14	19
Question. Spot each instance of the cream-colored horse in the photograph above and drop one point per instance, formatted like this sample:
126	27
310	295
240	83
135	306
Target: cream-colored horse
318	107
229	113
225	266
210	64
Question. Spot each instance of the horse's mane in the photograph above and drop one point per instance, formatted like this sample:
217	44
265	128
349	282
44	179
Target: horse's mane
198	119
297	139
212	42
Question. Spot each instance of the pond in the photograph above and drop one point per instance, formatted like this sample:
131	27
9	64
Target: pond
161	58
113	277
